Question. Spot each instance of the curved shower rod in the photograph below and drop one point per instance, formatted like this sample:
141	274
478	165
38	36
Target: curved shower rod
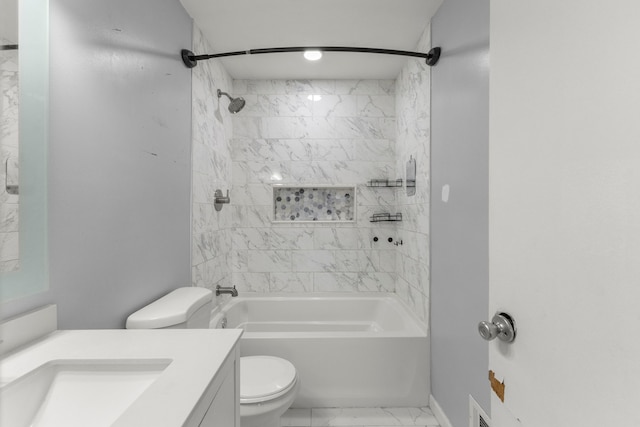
190	59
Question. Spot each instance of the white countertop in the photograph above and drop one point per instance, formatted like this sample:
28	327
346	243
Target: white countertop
196	356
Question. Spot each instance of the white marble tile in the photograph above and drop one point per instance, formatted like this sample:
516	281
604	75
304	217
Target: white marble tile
250	282
248	127
366	236
291	238
210	271
387	87
296	105
300	127
9	218
368	196
269	261
308	87
270	172
332	238
329	149
335	282
414	298
313	261
409	269
372	417
357	417
376	282
296	417
239	173
257	150
335	106
347	260
239	260
272	150
376	106
375	150
251	194
359	127
358	87
413	416
388	261
251	238
258	216
254	216
263	87
314	172
204	218
9	246
291	282
368	261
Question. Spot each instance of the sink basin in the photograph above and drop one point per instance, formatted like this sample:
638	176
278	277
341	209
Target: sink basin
78	393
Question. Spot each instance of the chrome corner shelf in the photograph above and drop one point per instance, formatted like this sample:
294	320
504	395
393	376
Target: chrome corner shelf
386	217
384	183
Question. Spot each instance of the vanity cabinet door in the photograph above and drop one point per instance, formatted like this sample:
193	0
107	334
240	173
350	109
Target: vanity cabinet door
224	410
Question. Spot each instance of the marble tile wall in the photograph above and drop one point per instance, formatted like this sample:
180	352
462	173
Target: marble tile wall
9	203
211	170
313	132
413	139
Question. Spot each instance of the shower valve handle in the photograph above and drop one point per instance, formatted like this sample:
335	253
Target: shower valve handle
219	199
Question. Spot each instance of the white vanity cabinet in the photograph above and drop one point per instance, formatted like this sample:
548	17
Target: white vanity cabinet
224	409
117	378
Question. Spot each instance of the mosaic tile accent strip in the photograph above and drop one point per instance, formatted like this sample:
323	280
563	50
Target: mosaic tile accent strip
314	203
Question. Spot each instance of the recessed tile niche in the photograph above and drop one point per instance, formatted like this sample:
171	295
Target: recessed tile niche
313	204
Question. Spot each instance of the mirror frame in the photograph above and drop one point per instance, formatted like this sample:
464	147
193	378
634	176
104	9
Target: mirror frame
33	57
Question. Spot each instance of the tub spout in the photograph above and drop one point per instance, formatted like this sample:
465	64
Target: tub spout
226	290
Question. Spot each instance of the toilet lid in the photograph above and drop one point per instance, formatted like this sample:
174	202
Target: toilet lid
264	378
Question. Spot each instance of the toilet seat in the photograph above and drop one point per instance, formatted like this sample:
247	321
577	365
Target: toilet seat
264	378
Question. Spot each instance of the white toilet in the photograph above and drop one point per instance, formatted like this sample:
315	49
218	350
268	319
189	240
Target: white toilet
268	385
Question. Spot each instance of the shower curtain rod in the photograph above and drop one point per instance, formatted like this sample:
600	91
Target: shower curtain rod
190	59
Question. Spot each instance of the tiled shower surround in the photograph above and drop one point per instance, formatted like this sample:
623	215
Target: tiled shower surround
311	133
326	133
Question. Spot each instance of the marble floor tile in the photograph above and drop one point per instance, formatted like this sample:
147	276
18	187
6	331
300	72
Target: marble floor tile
296	417
370	417
413	416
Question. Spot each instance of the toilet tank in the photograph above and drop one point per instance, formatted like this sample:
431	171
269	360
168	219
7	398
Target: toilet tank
183	308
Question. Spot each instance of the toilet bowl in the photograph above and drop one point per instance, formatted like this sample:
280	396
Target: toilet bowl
268	385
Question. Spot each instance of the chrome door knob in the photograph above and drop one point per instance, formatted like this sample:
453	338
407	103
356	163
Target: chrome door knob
502	326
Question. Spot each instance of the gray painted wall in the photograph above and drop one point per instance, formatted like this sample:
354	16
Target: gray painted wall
119	157
459	227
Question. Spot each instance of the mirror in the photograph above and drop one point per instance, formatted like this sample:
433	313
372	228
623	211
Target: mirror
23	142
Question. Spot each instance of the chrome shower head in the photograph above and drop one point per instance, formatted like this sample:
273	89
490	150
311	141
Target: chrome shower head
235	105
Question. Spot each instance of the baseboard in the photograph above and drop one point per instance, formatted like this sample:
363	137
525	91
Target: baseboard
439	413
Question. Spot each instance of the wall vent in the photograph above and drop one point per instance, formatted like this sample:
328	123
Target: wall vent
477	417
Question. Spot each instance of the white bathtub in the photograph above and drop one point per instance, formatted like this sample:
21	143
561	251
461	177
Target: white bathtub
350	350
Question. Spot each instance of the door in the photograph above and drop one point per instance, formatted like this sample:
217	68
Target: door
564	209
